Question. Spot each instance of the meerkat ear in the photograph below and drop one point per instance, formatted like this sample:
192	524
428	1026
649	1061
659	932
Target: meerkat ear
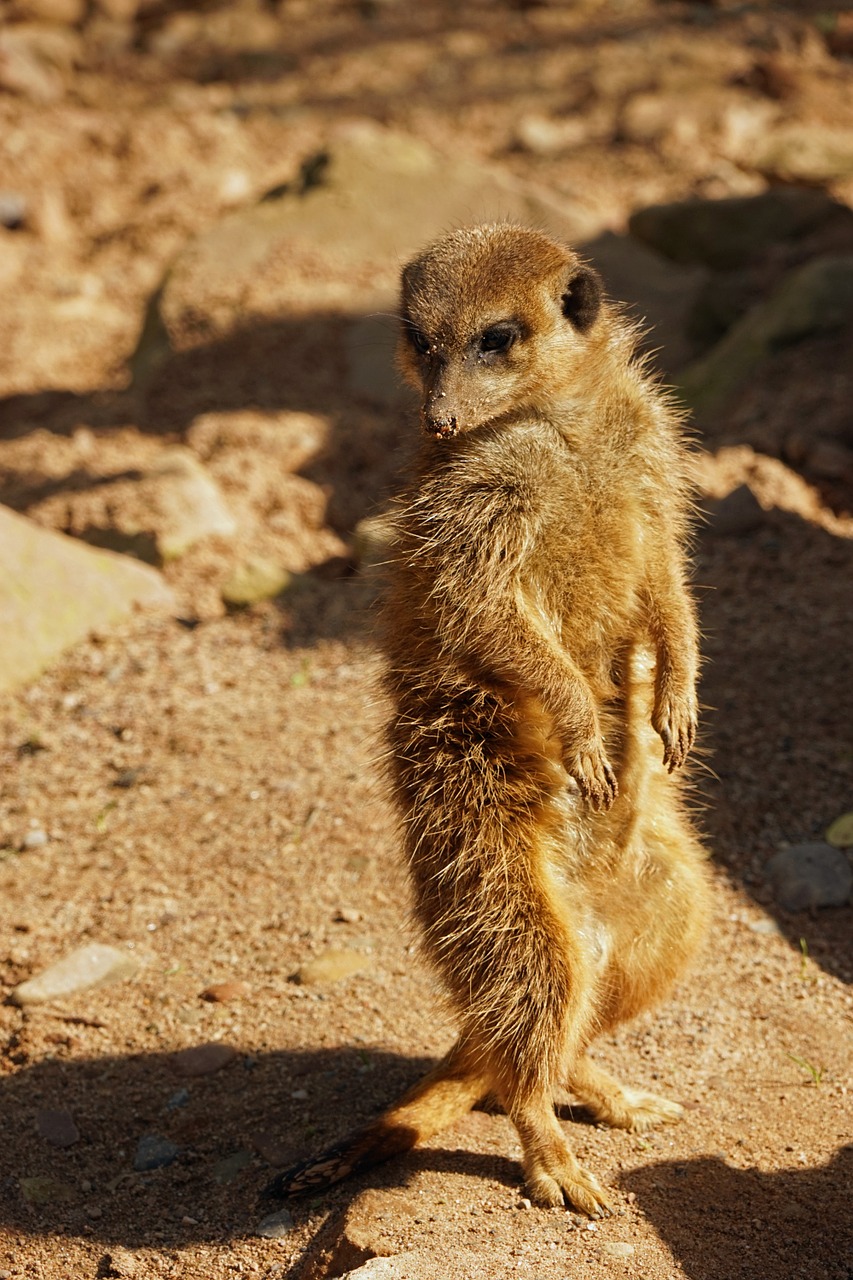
582	299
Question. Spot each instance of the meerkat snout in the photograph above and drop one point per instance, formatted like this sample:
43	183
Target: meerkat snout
485	313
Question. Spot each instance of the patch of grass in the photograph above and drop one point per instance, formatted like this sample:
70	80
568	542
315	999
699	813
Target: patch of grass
816	1073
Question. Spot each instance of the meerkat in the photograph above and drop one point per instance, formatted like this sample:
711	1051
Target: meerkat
542	659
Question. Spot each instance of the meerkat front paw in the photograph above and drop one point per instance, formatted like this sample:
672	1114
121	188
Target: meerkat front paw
675	720
594	774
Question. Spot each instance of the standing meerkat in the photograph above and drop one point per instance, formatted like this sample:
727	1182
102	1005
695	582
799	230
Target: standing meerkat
542	662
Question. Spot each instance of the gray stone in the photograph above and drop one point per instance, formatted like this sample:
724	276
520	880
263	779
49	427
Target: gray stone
816	298
810	875
275	1225
54	591
254	580
154	1152
724	234
94	965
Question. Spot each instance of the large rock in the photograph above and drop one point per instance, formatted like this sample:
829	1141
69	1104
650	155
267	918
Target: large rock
810	875
730	233
331	245
661	293
816	298
54	591
156	515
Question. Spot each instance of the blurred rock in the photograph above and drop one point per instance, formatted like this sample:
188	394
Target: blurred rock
46	1190
154	1152
203	1059
736	515
331	966
810	875
156	515
840	832
816	298
805	152
13	210
275	1225
229	1167
54	592
94	965
724	234
226	992
68	12
57	1128
254	580
660	293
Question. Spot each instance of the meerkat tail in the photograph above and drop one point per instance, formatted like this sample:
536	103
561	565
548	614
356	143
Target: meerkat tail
443	1096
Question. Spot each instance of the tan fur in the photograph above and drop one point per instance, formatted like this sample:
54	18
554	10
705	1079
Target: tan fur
542	661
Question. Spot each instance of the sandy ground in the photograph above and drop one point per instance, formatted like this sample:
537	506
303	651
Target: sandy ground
207	782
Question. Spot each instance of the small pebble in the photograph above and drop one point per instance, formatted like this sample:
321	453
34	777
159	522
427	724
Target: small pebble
227	1169
178	1100
225	992
187	1221
57	1128
840	832
13	210
347	915
331	966
154	1152
275	1225
90	966
617	1248
35	839
45	1190
203	1059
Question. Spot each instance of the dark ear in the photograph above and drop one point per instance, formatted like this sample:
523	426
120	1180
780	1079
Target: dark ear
582	299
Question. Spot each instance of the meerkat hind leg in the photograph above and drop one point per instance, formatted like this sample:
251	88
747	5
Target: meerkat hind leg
615	1104
552	1173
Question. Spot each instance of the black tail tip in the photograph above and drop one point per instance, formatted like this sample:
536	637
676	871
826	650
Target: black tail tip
311	1175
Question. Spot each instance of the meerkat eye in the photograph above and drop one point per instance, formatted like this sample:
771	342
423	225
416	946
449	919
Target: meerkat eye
419	340
498	339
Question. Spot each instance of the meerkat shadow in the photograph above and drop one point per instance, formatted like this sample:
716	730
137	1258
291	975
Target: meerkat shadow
721	1221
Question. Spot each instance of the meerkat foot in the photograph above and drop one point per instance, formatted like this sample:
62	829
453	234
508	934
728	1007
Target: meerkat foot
615	1104
556	1179
638	1111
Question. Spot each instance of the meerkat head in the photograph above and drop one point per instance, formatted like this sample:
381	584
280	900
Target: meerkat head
494	320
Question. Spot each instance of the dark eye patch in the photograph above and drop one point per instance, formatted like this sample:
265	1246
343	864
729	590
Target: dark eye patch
497	339
419	340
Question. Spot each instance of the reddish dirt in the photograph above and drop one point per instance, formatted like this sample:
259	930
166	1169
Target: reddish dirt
208	784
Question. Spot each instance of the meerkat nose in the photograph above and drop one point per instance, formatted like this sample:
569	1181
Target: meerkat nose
440	428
